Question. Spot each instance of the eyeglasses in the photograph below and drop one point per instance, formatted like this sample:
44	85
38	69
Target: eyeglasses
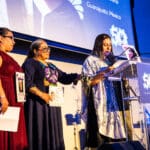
10	37
45	49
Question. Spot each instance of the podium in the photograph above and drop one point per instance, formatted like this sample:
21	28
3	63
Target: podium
135	90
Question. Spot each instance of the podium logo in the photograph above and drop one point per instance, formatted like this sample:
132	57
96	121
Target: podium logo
146	81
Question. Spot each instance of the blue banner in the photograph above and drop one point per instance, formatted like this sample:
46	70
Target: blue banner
143	71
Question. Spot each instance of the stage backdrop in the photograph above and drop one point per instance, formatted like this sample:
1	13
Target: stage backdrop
71	22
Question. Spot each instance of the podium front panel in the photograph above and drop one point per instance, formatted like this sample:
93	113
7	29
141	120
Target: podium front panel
135	87
143	71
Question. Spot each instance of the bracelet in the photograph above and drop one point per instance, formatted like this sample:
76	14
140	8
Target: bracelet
2	96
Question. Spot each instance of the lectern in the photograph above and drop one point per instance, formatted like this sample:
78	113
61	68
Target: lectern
135	87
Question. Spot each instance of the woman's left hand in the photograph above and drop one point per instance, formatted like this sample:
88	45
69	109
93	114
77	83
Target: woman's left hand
77	79
4	104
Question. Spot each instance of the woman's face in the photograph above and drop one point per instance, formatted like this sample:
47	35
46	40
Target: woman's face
7	42
43	51
107	46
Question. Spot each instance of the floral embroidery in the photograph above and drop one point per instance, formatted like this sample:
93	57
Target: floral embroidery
51	74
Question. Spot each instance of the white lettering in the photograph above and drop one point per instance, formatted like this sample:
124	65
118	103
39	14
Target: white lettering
94	7
115	1
146	79
102	10
114	15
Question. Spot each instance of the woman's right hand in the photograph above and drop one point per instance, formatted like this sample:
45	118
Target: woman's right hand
4	104
43	95
111	68
46	97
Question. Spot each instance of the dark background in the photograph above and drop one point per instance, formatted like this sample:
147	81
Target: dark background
141	21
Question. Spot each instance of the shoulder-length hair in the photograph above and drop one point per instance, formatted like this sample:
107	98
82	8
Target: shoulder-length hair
98	45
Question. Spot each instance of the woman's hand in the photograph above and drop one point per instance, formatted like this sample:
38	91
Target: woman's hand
111	68
43	95
4	104
46	97
101	75
75	82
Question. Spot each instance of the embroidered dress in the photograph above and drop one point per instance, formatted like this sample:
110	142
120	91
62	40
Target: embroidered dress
108	116
44	123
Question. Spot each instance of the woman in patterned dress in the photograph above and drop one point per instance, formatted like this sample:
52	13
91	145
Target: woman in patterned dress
100	107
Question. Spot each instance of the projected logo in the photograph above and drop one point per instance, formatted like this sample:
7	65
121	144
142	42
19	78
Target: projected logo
118	35
78	6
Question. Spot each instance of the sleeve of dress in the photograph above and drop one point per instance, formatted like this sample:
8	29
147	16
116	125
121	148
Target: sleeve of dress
66	78
88	68
29	70
86	75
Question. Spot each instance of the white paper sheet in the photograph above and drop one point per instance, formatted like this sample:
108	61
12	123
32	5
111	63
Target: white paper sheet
58	92
9	120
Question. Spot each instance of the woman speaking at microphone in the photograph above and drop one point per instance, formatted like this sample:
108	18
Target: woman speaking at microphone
100	107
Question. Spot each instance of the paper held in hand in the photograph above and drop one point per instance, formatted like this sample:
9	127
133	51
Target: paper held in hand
58	95
9	120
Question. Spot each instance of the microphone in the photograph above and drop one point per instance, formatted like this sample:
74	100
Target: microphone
110	58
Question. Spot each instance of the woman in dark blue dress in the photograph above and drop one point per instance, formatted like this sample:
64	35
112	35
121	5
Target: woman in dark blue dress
44	124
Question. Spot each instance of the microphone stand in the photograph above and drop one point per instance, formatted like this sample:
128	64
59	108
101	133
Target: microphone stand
76	121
